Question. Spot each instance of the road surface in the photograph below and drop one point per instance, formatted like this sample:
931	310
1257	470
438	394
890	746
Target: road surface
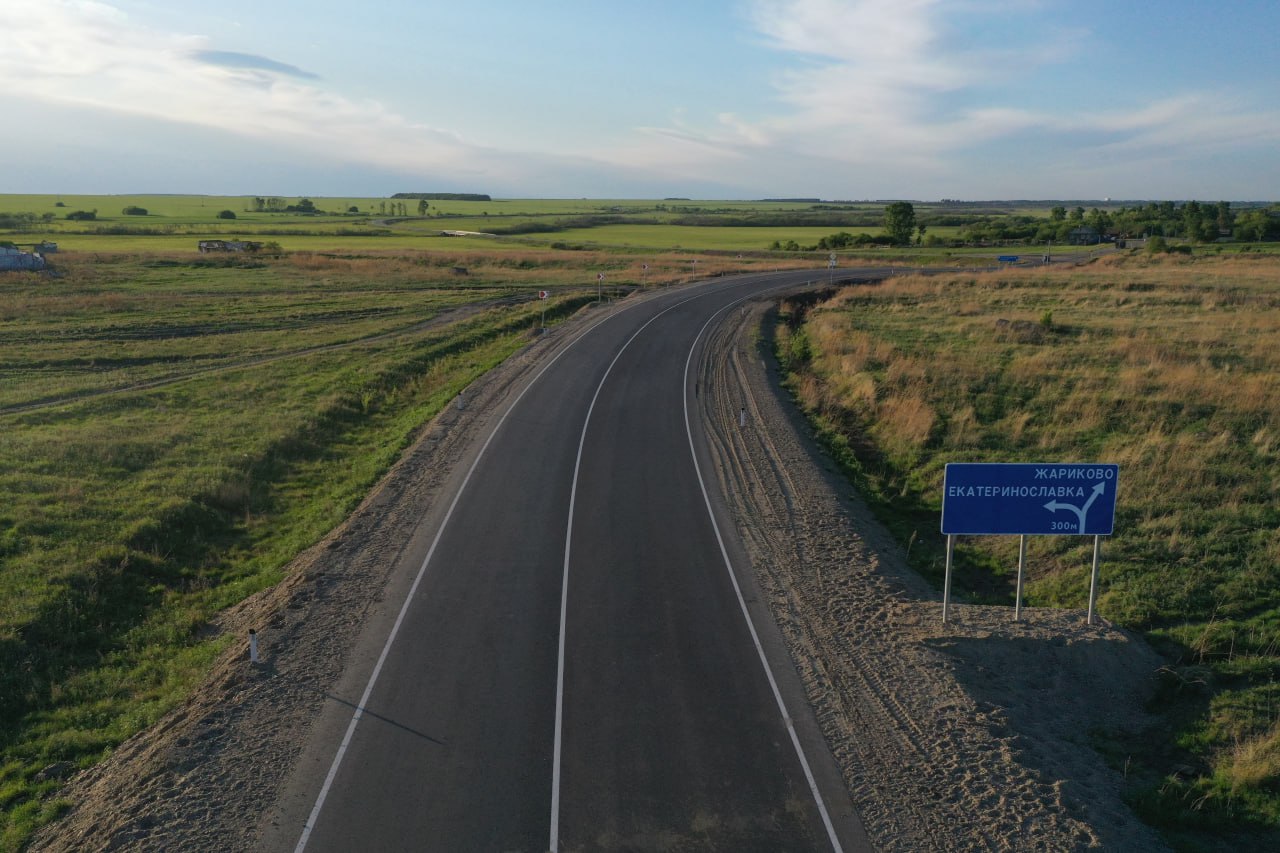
565	660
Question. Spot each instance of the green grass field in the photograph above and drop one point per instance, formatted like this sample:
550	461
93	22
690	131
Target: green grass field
133	515
176	222
1172	370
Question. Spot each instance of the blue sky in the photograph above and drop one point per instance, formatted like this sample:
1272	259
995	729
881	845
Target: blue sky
840	99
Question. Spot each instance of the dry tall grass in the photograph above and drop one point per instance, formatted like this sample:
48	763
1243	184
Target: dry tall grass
1170	369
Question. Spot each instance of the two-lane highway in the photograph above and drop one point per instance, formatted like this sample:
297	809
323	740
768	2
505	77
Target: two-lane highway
571	666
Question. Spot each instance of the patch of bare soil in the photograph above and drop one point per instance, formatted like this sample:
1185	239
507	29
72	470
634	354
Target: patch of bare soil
970	736
973	735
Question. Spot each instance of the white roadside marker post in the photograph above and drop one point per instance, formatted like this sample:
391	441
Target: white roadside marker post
253	646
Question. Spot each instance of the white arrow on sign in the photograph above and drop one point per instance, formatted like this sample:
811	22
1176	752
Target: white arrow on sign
1081	512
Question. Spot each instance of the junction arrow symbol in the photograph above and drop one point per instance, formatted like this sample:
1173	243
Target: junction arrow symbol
1081	512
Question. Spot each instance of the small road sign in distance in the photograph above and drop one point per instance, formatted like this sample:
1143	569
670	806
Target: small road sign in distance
1034	499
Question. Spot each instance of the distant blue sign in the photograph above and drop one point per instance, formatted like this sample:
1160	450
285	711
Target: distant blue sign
1008	259
1035	499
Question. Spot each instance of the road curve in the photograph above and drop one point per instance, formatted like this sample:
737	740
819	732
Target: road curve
565	661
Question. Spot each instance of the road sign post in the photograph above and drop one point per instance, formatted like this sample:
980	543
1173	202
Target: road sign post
1028	499
1022	562
1093	577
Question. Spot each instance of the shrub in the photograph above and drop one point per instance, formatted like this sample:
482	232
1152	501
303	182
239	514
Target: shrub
133	210
226	214
82	215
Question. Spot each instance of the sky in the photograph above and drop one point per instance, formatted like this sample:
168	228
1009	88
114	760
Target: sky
720	99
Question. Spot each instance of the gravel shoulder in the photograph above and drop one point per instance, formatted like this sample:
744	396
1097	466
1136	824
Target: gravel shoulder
969	736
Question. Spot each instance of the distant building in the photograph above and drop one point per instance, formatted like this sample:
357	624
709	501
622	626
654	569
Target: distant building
1084	236
13	259
229	246
46	248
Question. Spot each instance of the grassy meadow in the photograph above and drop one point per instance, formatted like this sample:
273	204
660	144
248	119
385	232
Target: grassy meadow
174	431
1170	369
175	223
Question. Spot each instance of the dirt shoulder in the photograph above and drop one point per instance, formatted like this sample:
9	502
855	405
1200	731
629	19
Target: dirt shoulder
971	736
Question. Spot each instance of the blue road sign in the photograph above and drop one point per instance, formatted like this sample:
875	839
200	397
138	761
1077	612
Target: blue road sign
1035	499
1008	259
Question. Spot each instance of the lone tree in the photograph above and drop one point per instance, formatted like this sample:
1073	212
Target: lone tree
900	221
226	214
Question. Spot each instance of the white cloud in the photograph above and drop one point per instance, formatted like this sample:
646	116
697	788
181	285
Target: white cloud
876	97
89	53
879	95
867	88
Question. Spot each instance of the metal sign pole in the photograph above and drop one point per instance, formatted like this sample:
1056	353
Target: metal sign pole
1022	561
946	583
1093	579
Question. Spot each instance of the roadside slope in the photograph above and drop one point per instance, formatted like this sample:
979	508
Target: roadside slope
966	736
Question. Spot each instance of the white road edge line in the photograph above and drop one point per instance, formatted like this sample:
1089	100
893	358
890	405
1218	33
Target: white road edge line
564	588
404	608
742	603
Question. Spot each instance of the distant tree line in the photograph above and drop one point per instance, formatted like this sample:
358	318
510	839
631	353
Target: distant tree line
898	220
782	218
23	221
445	196
1199	222
275	204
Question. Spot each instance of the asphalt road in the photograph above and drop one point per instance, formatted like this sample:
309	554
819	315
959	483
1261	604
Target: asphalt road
566	661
